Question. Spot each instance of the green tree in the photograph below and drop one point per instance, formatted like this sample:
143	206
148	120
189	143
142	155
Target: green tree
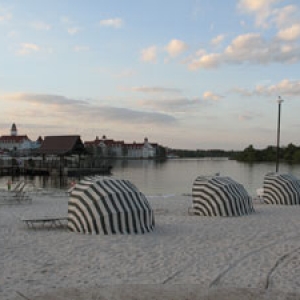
289	152
296	156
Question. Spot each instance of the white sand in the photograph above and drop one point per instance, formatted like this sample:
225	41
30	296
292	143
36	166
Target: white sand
186	257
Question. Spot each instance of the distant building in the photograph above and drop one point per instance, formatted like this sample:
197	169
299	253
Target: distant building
141	150
13	131
15	142
109	147
105	147
62	145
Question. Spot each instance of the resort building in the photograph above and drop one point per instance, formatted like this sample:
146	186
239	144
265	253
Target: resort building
105	147
109	147
141	150
15	142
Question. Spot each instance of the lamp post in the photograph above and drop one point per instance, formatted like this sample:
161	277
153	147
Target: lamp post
279	101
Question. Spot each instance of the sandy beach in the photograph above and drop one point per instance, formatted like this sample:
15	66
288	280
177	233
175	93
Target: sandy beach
186	257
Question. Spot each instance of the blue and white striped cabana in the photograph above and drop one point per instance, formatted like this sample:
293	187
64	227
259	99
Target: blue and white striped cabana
220	196
99	205
281	189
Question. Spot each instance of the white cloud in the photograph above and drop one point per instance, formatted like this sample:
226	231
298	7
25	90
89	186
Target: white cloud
174	105
73	30
176	47
149	54
79	48
155	89
291	33
206	61
39	25
69	25
217	40
70	108
126	73
262	9
12	34
251	48
116	23
5	16
246	116
65	20
286	87
208	95
286	16
28	48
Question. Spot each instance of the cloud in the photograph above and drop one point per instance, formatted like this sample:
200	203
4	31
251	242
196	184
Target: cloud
12	34
79	48
206	61
285	88
149	54
39	25
70	109
27	48
115	23
176	47
208	95
242	91
65	20
286	16
128	116
155	89
181	104
247	48
245	117
5	16
217	40
261	9
248	116
43	99
126	73
290	33
73	30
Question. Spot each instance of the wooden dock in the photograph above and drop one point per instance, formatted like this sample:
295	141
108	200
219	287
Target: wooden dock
50	171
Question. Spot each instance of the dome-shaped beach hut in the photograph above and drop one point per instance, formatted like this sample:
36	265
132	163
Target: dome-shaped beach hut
99	205
281	189
220	196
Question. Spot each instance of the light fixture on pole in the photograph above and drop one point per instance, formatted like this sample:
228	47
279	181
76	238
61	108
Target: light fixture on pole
279	101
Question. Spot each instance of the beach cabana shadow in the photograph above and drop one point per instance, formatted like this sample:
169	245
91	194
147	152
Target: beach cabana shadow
281	189
105	205
220	196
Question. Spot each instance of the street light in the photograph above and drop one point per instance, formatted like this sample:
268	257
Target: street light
279	101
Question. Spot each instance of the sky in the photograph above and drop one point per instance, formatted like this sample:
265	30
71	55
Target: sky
188	74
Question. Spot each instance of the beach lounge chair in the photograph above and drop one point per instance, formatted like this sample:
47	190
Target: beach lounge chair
17	194
45	222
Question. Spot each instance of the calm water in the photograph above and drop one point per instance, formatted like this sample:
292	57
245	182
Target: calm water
176	176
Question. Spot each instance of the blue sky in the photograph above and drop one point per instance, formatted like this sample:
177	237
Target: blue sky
186	74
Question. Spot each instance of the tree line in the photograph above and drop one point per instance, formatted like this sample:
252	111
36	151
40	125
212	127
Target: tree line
203	153
290	153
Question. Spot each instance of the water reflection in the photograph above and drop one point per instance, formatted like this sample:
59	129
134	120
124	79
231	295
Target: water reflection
174	176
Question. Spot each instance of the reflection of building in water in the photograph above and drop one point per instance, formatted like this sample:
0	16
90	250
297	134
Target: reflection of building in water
15	142
109	147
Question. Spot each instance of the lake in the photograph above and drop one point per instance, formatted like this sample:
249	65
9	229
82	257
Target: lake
176	176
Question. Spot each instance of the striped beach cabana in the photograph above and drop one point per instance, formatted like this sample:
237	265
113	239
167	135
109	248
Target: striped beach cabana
220	196
281	189
104	205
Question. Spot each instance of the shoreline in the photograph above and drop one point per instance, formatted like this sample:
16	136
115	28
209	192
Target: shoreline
185	255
